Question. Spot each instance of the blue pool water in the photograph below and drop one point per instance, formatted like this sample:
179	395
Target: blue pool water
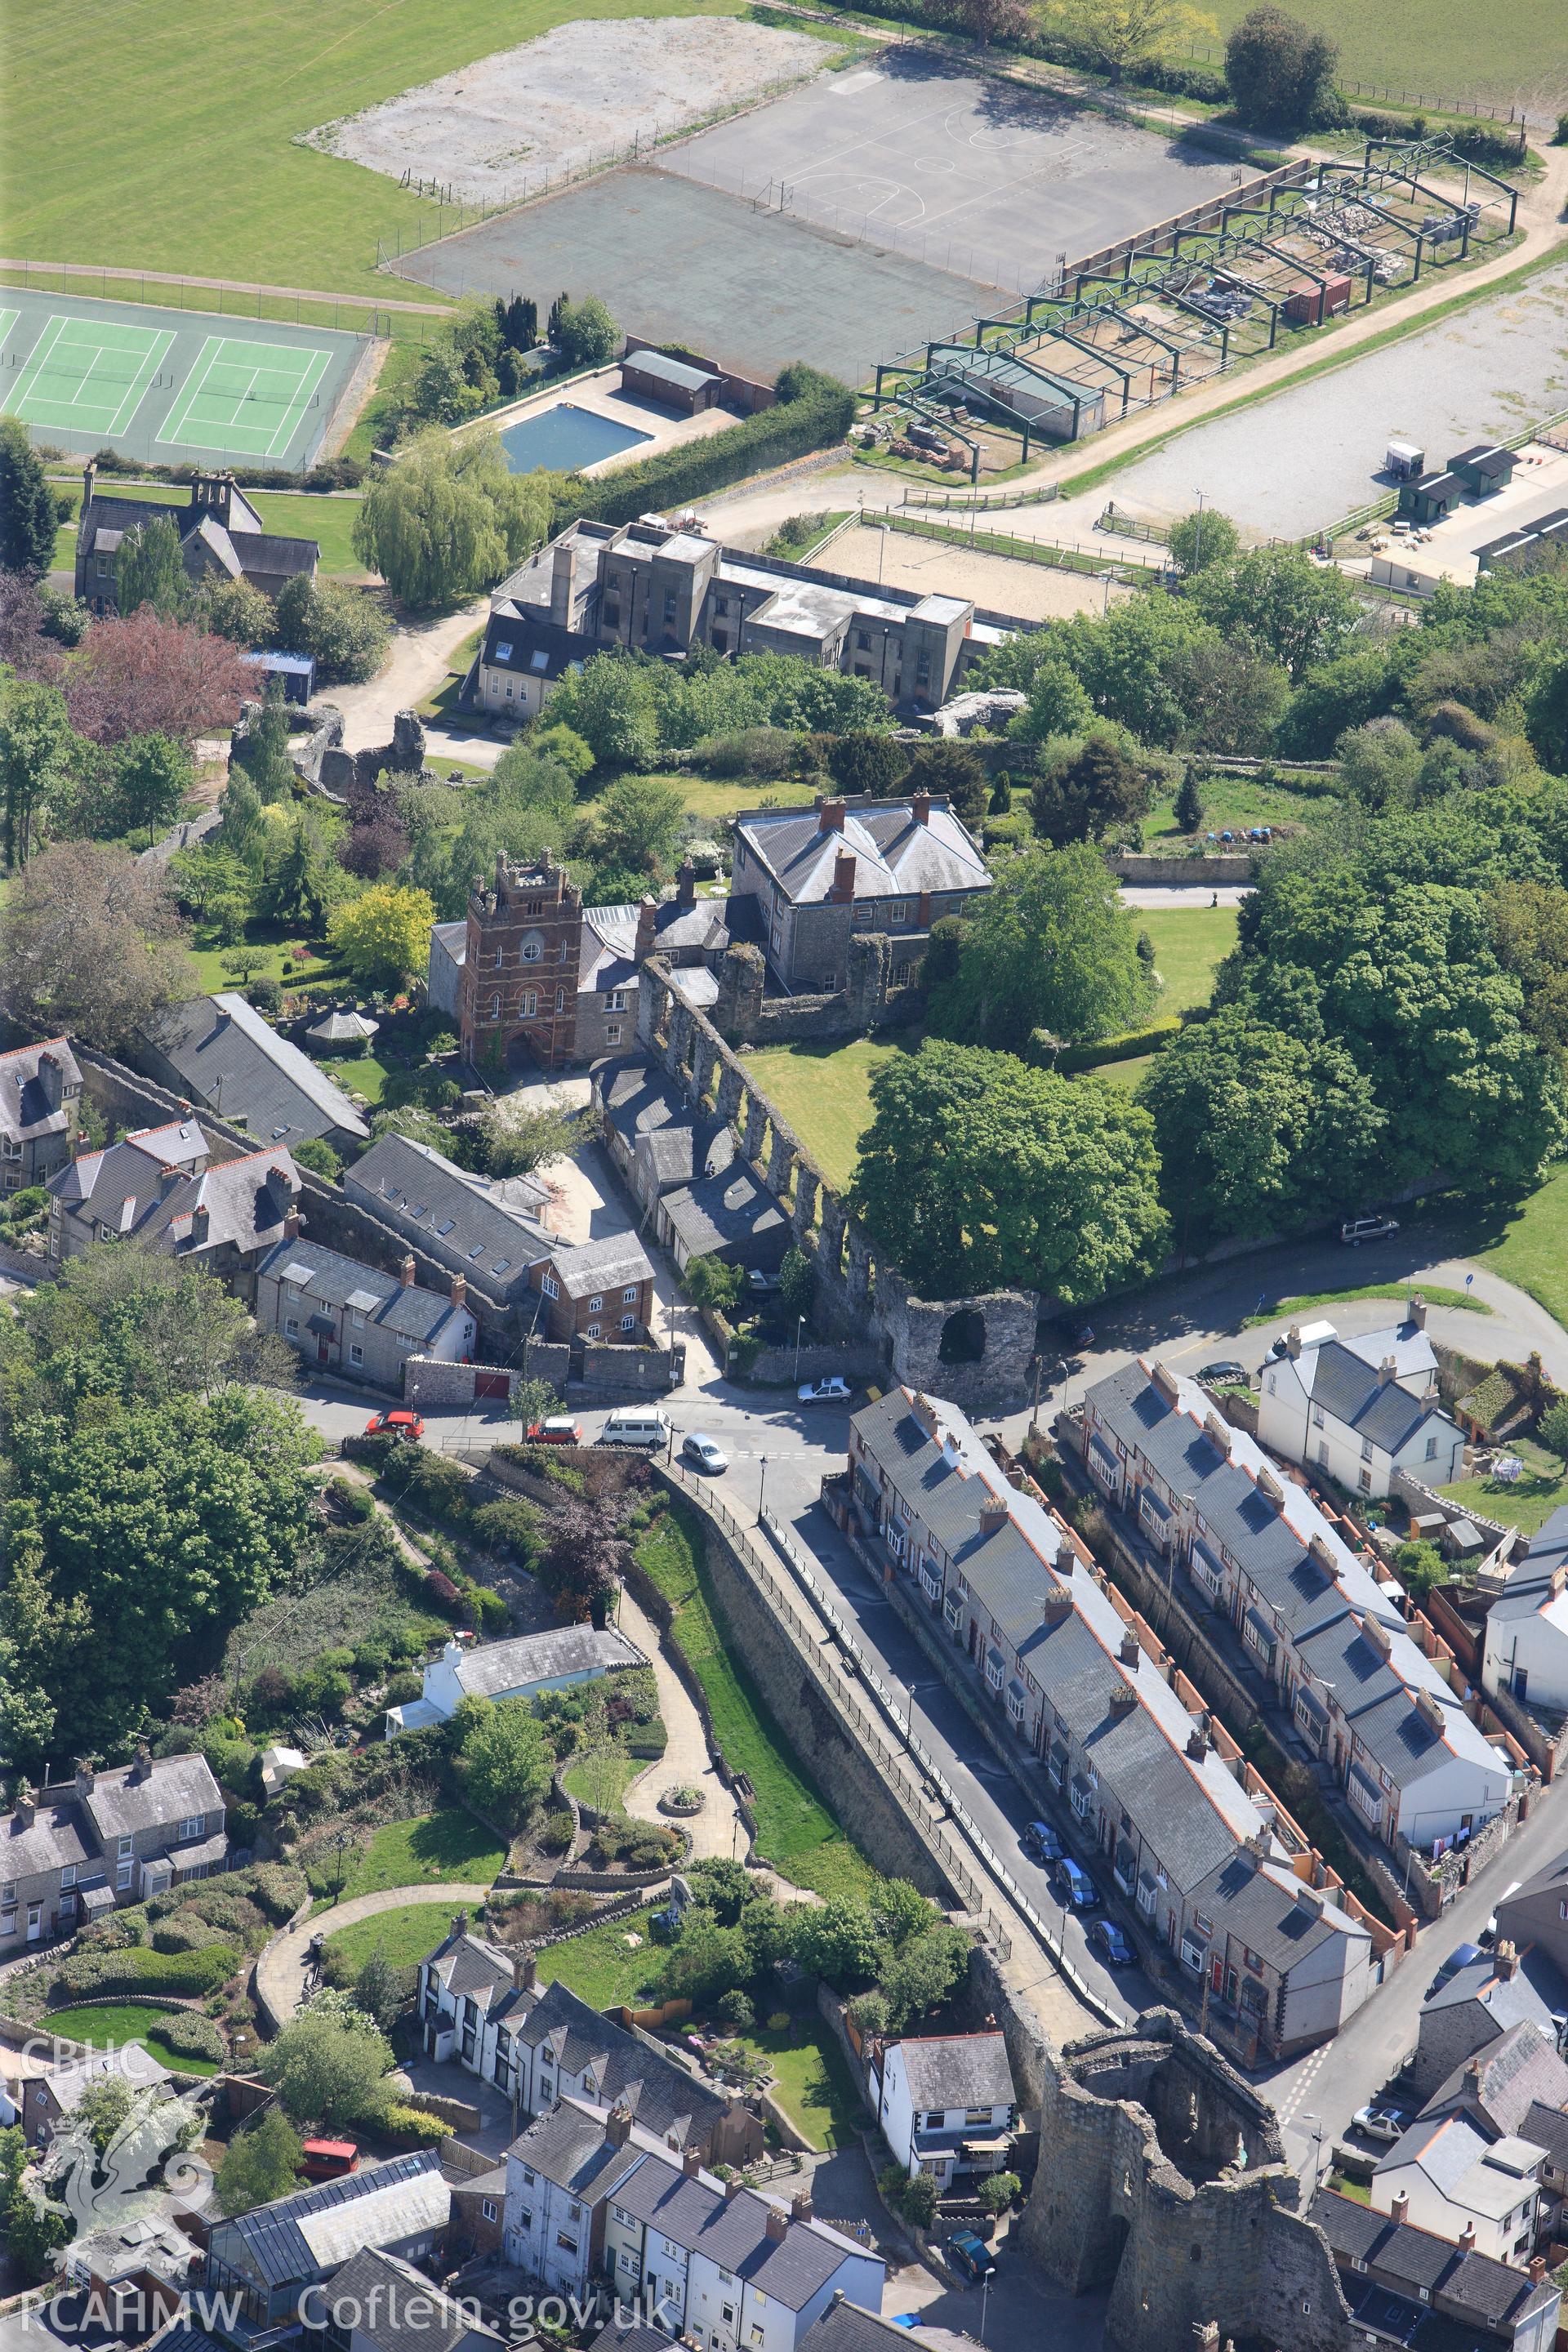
564	437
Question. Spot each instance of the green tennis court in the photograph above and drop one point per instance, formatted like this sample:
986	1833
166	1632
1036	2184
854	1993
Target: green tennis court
166	386
243	395
87	375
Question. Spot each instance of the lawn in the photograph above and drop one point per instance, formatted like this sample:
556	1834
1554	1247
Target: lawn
1525	1241
113	2024
1436	1294
1190	944
601	1968
591	1784
359	1074
811	2081
403	1938
450	1845
795	1831
1435	52
1528	1502
264	945
299	515
824	1094
1233	802
714	797
185	120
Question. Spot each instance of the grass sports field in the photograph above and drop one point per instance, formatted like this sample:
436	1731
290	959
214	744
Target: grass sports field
168	386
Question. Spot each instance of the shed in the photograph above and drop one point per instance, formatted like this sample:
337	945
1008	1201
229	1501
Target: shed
1485	468
346	1029
673	382
295	673
1431	497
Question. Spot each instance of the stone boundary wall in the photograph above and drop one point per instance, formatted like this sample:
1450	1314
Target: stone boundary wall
779	1367
859	1291
427	1380
1202	872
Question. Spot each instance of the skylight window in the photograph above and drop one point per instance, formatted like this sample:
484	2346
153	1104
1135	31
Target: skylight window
504	650
539	658
500	1266
445	1224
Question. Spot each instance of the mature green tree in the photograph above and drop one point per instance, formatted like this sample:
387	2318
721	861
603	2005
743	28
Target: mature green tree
1202	537
1116	34
638	826
1280	72
1552	1429
148	570
167	1523
1051	946
235	610
34	2232
1132	660
612	703
449	519
1302	612
1258	1130
40	754
259	2163
1234	696
950	770
713	1282
343	629
1381	764
706	1960
1547	718
867	765
384	935
979	1173
1189	810
1332	698
924	1974
521	1132
304	883
1090	793
504	1761
28	520
1530	939
263	753
155	775
839	1940
1057	704
327	2069
585	334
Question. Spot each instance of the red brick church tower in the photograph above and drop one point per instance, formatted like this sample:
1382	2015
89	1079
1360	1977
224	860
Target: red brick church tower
520	969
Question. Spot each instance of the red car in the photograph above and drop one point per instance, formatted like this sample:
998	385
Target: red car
558	1430
406	1425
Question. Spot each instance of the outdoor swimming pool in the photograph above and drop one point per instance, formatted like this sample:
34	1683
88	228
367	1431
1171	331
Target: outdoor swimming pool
566	438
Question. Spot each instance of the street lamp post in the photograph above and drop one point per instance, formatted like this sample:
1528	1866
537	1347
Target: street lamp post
761	1486
799	1328
1317	2122
1198	541
986	2295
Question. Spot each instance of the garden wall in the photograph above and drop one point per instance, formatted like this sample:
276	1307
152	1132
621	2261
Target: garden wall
1203	873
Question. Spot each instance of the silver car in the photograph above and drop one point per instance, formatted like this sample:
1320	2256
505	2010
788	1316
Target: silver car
707	1454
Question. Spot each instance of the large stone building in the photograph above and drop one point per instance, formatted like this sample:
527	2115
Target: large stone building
669	593
162	1189
221	537
40	1088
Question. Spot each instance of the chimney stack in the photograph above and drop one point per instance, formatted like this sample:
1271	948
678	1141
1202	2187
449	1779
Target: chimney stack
87	1779
800	2205
524	1970
1386	1372
141	1767
1468	2239
1197	1743
843	892
777	2224
1537	2269
1399	2208
690	2164
686	884
733	2188
994	1517
459	1923
88	476
1205	2334
618	2128
1123	1698
459	1290
1416	1312
51	1079
291	1224
1505	1960
830	817
647	929
919	808
1293	1340
406	1273
27	1808
1129	1651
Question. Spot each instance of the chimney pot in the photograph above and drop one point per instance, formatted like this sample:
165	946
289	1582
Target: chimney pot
800	2205
1399	2207
691	2164
686	884
618	2128
830	817
1416	1310
406	1273
994	1517
777	2224
919	808
733	2188
1386	1372
647	929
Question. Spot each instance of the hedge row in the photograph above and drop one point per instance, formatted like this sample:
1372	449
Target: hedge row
813	411
1125	1047
134	1968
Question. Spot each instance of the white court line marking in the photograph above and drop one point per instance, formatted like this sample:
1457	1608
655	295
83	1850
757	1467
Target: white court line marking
7	320
293	417
36	358
153	360
174	421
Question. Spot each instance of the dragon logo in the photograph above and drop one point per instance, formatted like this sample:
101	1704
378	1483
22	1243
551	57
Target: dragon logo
116	2164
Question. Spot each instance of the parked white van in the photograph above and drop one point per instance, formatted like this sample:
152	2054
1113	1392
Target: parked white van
637	1424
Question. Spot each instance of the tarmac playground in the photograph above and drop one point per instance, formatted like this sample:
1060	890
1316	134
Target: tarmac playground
843	223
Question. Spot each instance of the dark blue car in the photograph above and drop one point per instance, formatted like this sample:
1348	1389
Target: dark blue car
1075	1890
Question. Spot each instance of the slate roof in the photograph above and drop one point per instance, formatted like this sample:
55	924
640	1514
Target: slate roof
664	370
629	2335
610	1263
894	856
608	955
1492	2293
959	2070
25	1110
237	1063
69	2082
520	642
56	1838
242	545
150	1187
1349	1387
316	2229
1508	2000
629	2070
569	2145
395	2308
1191	1812
1219	1471
174	1789
635	1097
1533	1590
1473	2168
1519	2071
469	1967
733	2231
847	2326
1272	1913
729	1211
424	1193
494	1668
405	1309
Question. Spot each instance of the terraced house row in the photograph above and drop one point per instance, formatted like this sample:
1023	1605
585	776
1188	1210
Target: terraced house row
1209	1863
1362	1693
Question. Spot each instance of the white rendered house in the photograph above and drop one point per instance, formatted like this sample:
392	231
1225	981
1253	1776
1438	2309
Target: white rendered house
1358	1410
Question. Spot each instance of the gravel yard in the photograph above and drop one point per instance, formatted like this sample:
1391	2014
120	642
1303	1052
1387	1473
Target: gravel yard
510	123
1030	592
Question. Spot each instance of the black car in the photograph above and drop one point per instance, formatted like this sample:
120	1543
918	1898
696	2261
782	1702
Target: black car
1107	1938
1075	1890
1227	1375
1040	1842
